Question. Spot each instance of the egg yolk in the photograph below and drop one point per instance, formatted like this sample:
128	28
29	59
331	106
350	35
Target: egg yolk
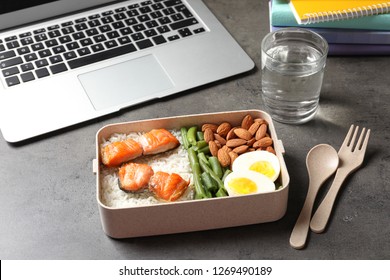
243	185
263	167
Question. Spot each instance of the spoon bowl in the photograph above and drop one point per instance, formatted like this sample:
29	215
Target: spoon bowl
321	161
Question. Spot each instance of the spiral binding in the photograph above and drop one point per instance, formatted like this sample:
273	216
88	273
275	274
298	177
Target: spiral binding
346	14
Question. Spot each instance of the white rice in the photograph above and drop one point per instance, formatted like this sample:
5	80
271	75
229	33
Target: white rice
173	161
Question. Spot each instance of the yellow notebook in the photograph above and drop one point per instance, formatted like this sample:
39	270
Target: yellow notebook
314	11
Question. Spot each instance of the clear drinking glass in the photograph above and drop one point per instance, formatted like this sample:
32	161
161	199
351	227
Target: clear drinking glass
293	62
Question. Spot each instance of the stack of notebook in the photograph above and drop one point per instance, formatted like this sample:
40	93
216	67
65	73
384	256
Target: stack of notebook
361	29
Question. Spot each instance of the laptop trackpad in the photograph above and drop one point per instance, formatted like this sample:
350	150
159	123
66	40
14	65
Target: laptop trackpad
126	83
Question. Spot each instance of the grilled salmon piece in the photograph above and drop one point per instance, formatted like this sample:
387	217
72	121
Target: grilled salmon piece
158	141
134	177
169	187
119	152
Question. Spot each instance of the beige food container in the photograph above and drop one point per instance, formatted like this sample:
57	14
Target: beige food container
195	215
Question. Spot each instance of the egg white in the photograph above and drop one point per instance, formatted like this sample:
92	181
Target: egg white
262	182
245	161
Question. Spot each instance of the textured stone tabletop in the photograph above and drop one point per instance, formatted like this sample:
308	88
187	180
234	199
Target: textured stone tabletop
48	207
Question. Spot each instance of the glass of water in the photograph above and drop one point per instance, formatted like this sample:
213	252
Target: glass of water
293	62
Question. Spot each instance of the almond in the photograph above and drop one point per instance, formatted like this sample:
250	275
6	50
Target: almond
261	131
254	127
261	121
270	149
232	156
213	148
251	142
240	149
223	129
263	143
220	139
231	134
212	126
208	135
218	144
223	157
226	148
232	143
246	122
243	133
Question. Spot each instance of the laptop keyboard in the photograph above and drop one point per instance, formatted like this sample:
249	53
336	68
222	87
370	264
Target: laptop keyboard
68	45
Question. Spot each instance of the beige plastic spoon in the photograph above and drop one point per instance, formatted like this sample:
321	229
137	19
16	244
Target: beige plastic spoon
321	161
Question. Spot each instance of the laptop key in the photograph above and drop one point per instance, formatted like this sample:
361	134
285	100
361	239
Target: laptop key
58	68
111	44
10	71
26	41
83	51
37	47
124	40
41	63
7	54
171	3
11	62
183	23
199	30
27	67
86	60
55	59
40	37
23	50
67	30
70	55
159	39
12	81
30	57
26	77
44	53
58	49
97	47
65	39
51	43
144	44
13	45
43	72
173	37
11	38
184	32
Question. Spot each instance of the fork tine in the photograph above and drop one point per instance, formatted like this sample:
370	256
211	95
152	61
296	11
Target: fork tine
367	136
351	144
347	138
360	140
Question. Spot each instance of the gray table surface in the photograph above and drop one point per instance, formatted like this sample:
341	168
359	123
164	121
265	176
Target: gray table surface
48	208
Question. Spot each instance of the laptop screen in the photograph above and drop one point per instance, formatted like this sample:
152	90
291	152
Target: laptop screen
11	6
14	13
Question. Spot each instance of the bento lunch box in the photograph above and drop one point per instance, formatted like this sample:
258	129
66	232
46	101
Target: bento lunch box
191	215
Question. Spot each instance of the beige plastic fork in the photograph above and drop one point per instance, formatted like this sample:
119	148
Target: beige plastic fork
351	158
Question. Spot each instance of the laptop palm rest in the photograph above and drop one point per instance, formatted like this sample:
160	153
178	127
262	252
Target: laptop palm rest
126	83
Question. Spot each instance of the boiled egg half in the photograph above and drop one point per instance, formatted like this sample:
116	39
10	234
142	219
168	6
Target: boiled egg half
247	182
262	162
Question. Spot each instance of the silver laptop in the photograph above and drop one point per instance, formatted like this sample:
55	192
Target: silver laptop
64	62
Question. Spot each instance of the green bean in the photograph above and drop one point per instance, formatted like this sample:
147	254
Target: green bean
216	166
199	135
196	172
191	135
183	131
209	182
205	150
201	144
208	169
202	156
221	192
227	172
